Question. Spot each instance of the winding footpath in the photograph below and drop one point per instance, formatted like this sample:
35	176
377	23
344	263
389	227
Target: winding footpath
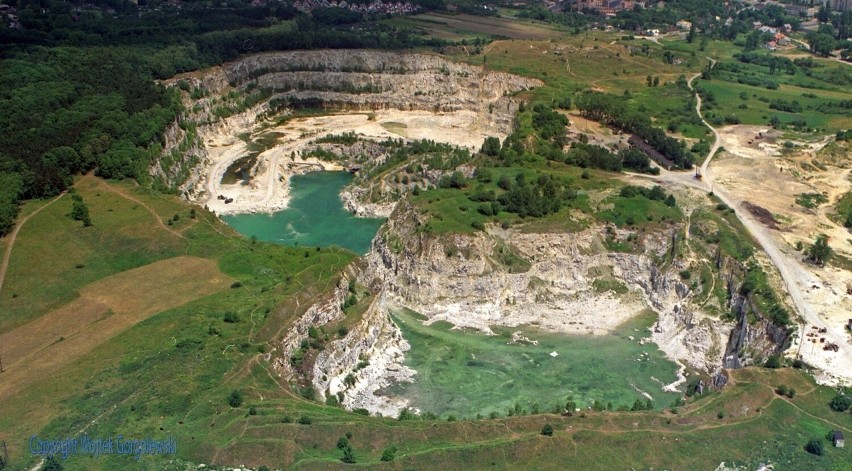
795	277
8	254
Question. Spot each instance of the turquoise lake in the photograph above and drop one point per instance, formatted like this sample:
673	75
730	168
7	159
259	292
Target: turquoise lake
315	217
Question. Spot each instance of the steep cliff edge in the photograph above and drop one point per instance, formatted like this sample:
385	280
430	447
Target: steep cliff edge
565	282
559	282
237	101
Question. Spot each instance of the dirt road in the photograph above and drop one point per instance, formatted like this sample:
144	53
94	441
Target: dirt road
837	366
7	255
797	279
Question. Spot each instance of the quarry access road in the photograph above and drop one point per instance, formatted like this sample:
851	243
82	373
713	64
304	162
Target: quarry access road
797	280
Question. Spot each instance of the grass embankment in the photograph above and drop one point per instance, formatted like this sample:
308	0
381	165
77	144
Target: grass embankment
54	255
844	209
143	375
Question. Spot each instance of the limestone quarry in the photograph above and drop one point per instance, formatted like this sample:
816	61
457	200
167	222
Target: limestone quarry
374	94
559	286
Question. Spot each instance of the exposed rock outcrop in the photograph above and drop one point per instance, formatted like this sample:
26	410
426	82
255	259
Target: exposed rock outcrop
511	278
366	360
227	101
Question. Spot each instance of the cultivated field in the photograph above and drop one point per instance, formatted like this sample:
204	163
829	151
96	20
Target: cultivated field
464	26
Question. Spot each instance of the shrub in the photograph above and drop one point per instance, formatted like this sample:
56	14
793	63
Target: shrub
253	410
389	454
840	403
305	420
236	398
774	361
231	318
815	447
547	430
50	464
781	390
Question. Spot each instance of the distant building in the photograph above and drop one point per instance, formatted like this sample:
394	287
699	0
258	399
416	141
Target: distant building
797	10
840	5
837	438
684	25
606	7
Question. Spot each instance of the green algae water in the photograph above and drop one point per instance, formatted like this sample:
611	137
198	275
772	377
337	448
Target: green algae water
464	373
314	217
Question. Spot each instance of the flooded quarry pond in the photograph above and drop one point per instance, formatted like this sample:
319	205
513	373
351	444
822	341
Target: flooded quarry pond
314	217
464	373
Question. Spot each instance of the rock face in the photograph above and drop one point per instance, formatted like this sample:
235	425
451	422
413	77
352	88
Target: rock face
352	368
370	80
752	341
228	100
319	313
366	360
509	278
464	279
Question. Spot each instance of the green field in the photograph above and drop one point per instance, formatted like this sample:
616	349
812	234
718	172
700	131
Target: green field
754	109
458	27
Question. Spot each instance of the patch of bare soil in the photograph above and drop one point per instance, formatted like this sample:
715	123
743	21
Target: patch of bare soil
761	214
104	309
596	133
767	177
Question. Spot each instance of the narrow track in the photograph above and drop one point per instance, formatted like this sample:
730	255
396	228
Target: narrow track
7	255
795	277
